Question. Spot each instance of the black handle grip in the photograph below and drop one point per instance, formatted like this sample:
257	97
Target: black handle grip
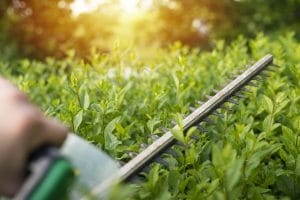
38	165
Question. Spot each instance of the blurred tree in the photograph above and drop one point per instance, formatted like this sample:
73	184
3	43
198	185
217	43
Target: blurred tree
40	28
196	22
182	22
47	28
8	48
96	29
268	16
193	22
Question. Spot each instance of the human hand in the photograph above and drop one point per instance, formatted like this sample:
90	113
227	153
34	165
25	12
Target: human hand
23	129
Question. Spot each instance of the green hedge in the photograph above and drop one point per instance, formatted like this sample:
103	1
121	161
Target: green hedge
118	101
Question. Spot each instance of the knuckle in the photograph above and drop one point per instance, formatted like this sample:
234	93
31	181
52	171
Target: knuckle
19	96
14	95
28	122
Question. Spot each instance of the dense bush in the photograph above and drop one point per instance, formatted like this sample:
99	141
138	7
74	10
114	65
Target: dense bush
118	101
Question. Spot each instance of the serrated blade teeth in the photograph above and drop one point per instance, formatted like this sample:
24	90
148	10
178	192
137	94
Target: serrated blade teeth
163	129
136	179
192	109
233	101
145	169
179	143
121	163
215	91
173	122
271	70
161	161
201	128
154	137
172	152
243	89
132	154
216	113
258	78
194	137
252	84
200	102
265	74
239	95
224	107
184	115
235	76
208	97
274	65
243	70
143	146
209	121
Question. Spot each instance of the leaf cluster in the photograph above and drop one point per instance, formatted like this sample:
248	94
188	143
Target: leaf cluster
120	103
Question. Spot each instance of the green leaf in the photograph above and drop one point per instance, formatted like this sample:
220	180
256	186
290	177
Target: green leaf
190	132
282	101
111	141
178	134
179	120
267	123
153	176
86	101
297	168
255	158
217	159
78	120
288	138
151	124
233	173
176	80
267	104
213	186
174	180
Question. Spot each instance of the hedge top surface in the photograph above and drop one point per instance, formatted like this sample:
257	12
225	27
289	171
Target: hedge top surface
119	103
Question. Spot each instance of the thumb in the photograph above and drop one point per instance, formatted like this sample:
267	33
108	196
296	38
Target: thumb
50	132
55	132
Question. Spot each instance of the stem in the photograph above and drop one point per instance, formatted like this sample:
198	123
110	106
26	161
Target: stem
296	144
272	119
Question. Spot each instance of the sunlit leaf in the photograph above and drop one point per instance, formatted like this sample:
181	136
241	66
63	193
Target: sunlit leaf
78	120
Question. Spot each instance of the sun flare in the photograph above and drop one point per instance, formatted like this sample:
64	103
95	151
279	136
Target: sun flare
129	7
83	6
135	6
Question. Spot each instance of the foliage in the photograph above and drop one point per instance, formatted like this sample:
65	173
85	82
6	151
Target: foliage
119	102
47	28
39	27
196	22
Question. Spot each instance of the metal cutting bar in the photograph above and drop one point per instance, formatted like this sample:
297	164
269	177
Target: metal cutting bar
164	142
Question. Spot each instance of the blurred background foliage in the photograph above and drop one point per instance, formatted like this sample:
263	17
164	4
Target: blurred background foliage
38	29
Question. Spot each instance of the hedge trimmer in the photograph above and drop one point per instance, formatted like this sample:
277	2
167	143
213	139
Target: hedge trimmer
52	170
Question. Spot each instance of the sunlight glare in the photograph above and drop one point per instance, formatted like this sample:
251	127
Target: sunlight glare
82	6
135	6
127	6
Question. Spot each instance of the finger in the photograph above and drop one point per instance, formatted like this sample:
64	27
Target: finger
37	131
5	83
10	186
8	92
55	132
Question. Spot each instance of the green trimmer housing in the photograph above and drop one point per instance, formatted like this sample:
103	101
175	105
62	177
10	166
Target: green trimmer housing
70	172
50	177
